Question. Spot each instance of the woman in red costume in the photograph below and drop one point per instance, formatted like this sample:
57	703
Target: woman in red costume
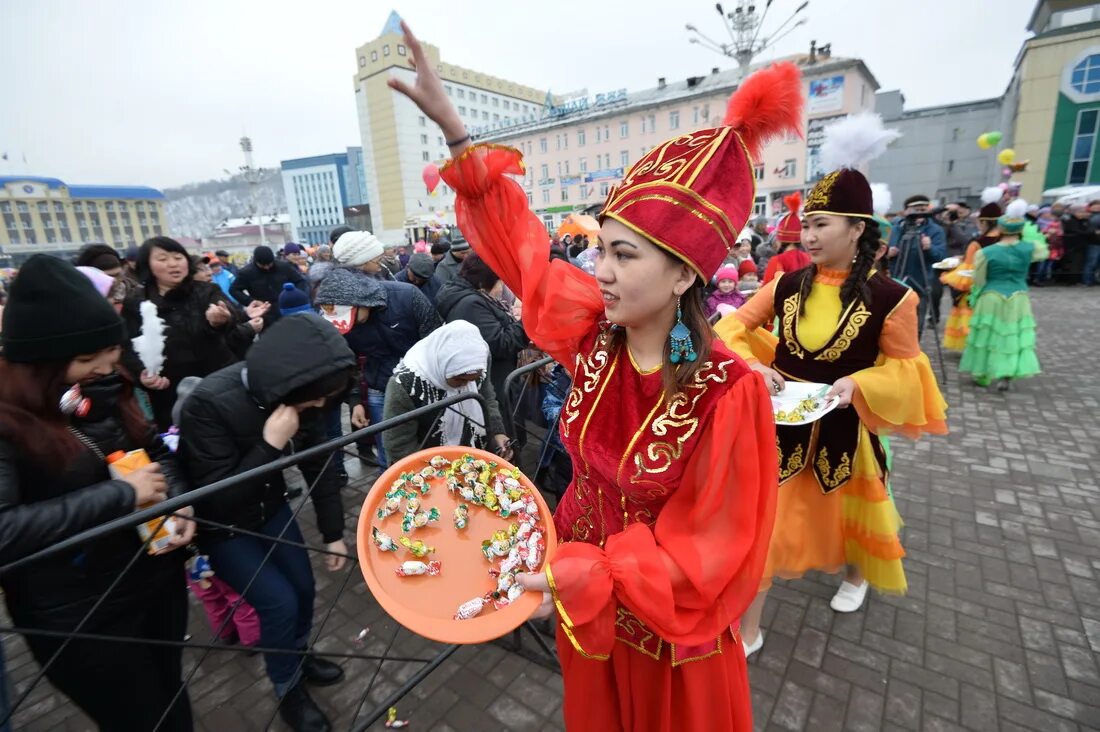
788	234
666	524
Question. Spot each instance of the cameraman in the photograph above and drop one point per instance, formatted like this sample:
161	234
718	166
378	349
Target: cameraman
916	243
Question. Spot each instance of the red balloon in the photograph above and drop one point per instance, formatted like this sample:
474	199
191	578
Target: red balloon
430	176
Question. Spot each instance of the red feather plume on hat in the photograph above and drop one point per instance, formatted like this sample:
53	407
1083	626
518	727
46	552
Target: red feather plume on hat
793	202
766	105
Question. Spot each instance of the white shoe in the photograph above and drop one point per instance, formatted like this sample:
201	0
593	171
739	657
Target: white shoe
756	646
849	597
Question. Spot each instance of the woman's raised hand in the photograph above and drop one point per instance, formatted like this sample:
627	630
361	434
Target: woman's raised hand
428	94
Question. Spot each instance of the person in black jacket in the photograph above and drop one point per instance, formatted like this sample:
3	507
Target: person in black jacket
262	282
381	321
204	330
473	297
245	416
421	272
61	337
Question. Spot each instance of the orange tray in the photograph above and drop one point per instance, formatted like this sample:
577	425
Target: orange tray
426	605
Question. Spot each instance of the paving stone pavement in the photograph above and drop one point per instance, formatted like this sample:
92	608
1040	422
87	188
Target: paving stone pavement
1000	629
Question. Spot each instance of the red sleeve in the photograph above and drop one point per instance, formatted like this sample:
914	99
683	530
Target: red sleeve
561	303
695	571
772	268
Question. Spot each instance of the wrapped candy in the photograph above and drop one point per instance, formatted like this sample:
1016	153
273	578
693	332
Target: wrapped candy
462	516
470	608
413	569
440	463
392	722
534	551
392	504
504	599
419	520
418	481
496	546
511	562
417	548
382	540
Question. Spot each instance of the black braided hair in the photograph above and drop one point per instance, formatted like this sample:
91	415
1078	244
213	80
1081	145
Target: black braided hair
855	286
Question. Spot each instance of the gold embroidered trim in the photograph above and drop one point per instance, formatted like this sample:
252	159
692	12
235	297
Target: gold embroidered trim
652	239
639	369
557	601
681	661
578	649
634	440
701	202
632	624
819	194
714	225
825	472
580	450
851	330
795	462
474	149
790	311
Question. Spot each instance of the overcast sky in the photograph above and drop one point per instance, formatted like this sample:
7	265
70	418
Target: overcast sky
158	92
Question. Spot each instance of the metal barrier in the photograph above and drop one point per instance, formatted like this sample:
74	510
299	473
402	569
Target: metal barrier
171	506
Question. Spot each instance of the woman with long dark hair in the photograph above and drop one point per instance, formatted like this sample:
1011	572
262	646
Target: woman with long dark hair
204	330
666	522
841	322
64	407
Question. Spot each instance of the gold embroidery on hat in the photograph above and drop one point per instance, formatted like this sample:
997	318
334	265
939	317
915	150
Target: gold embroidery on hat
819	196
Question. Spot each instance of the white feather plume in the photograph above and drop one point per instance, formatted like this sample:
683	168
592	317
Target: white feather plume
149	346
855	140
992	194
1016	209
881	198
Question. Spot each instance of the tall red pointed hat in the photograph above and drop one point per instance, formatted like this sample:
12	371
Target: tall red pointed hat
789	230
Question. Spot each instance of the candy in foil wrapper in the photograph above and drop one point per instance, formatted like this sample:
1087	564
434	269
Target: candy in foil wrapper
382	540
392	504
502	600
417	548
462	516
535	546
470	608
419	520
413	569
440	463
392	722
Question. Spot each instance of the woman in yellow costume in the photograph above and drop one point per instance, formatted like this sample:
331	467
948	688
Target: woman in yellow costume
845	323
961	278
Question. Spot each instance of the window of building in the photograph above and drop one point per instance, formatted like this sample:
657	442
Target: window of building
362	61
567	167
950	166
546	195
674	119
507	104
606	133
557	141
565	194
542	144
374	55
652	123
580	138
386	50
450	90
624	158
496	101
44	207
695	115
758	171
426	156
1085	78
423	122
545	170
530	198
624	129
400	49
605	188
1084	141
484	116
582	165
496	117
484	98
461	93
706	112
760	206
462	111
788	170
423	139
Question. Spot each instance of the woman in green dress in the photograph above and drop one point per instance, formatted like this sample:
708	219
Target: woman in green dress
1001	344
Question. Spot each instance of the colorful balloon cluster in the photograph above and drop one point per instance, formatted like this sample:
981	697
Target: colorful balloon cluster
987	140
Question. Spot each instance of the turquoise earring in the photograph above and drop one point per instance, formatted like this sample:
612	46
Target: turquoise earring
680	345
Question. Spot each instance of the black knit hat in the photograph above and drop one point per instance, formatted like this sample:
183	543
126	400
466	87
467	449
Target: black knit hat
55	313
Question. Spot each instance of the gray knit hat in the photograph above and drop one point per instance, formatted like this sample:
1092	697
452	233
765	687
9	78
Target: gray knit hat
422	265
342	286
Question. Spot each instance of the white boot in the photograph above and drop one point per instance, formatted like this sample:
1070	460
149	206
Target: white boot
756	645
849	597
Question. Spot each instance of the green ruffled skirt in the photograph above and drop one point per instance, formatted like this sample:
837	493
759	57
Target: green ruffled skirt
1001	342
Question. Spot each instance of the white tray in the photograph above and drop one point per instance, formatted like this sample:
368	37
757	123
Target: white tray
797	391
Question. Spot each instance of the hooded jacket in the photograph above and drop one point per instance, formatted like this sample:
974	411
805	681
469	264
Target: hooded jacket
266	285
459	300
222	423
40	506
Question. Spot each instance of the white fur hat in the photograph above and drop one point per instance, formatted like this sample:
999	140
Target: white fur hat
356	248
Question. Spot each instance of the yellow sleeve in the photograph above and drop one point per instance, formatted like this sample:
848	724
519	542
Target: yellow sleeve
744	332
899	394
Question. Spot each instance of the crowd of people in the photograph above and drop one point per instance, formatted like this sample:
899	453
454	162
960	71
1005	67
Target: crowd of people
669	439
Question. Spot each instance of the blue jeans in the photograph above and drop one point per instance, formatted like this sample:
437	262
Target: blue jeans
376	401
282	592
1044	271
1092	261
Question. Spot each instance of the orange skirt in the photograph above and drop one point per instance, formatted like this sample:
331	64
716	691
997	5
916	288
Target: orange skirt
855	524
633	692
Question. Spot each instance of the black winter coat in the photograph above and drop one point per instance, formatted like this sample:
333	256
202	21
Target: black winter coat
266	285
222	423
192	347
430	288
459	300
39	507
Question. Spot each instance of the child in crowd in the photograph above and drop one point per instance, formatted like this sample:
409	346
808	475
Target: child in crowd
749	281
727	293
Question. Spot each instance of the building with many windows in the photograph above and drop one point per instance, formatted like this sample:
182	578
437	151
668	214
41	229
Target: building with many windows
398	141
576	149
47	215
319	189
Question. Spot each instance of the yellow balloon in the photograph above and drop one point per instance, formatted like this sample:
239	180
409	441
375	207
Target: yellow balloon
983	141
1006	156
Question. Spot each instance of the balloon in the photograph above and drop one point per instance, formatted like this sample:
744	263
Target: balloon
1006	156
994	137
430	176
1006	172
983	141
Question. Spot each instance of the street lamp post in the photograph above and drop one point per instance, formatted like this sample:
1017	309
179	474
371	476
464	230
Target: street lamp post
252	176
743	24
